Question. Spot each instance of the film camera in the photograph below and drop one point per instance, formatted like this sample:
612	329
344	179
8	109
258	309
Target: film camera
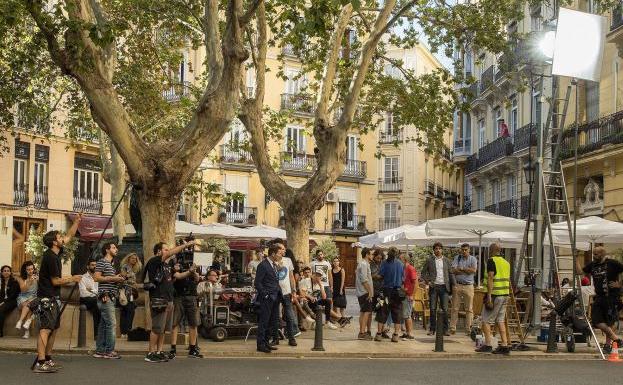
186	257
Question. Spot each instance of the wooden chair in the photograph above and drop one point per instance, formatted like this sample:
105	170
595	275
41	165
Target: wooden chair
421	305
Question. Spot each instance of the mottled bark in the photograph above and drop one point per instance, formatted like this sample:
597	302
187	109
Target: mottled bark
158	217
297	230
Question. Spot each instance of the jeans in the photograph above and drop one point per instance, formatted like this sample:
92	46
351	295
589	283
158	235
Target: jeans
106	334
127	317
438	295
292	326
91	304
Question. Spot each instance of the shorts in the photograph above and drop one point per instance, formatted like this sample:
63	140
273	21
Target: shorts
48	313
161	322
391	304
604	310
185	306
407	308
365	305
498	314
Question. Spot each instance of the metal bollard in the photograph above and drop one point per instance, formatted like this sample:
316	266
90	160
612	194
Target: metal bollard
318	331
439	325
82	327
552	345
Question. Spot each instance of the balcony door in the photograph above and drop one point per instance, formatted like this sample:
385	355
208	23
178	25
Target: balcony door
295	140
390	219
347	215
391	170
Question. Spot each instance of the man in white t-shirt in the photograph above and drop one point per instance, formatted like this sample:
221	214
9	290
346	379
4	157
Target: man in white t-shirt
322	266
286	282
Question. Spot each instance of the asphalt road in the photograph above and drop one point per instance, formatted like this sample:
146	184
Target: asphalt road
83	370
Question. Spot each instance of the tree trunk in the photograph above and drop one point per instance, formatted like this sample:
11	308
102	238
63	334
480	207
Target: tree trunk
158	219
297	230
117	187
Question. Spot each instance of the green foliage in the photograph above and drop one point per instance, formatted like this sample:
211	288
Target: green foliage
218	246
422	253
328	247
35	248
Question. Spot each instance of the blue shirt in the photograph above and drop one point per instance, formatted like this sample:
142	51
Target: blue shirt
392	273
461	262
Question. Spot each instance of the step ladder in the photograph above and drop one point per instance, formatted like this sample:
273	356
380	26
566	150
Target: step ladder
513	319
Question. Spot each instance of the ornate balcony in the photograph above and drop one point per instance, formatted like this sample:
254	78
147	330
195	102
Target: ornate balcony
391	137
297	164
349	223
462	149
176	92
20	194
388	223
473	91
355	171
297	103
245	217
500	148
429	189
486	80
390	185
235	158
524	137
88	203
41	197
593	136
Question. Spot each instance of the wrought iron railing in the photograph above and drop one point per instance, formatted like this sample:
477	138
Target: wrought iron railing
390	137
617	17
499	148
20	194
235	155
88	203
524	137
297	103
390	185
176	92
486	79
429	188
473	90
41	197
355	169
388	223
297	162
355	223
246	216
472	164
593	135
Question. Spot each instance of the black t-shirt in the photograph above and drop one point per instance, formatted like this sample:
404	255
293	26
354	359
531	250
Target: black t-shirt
160	275
491	267
603	273
185	286
50	268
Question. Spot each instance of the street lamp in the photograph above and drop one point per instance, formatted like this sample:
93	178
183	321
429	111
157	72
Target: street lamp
528	169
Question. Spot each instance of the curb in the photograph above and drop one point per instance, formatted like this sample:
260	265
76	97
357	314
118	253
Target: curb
341	355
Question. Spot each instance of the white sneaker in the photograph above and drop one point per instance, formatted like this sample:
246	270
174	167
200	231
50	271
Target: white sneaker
310	319
26	334
297	334
26	324
18	325
331	325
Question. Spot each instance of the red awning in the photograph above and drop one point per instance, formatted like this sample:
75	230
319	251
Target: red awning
91	226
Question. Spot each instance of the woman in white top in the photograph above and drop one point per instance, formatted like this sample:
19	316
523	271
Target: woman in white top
27	280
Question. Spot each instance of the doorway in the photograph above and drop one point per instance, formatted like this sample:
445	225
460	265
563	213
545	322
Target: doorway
21	229
348	258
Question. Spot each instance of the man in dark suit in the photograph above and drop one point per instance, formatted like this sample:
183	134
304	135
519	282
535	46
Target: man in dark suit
268	295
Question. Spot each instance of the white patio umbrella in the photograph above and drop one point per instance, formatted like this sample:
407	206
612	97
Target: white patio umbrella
181	228
594	229
381	237
478	223
263	232
417	235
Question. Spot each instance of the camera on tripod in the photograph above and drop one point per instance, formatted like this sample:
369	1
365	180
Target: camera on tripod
186	257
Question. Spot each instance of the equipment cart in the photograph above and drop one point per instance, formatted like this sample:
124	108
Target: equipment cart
226	312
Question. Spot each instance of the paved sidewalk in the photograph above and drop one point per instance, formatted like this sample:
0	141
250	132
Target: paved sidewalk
337	343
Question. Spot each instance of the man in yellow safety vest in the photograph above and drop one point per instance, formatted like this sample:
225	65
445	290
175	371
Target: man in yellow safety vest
497	285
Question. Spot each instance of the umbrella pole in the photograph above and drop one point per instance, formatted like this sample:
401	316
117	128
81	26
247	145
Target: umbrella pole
479	256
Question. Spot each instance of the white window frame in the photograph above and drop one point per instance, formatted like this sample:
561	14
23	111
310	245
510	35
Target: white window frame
20	172
391	169
537	107
41	177
390	210
87	183
352	145
295	82
513	116
496	191
497	115
482	127
511	187
297	135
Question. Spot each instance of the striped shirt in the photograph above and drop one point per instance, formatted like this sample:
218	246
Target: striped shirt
107	270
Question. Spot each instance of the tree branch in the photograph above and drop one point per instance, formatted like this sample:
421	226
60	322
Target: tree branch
251	117
213	42
104	150
328	78
49	32
244	19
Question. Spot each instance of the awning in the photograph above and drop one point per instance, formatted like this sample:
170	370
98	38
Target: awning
91	226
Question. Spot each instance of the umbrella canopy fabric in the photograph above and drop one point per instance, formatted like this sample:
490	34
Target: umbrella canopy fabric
479	223
411	235
384	236
263	232
185	228
221	230
595	229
